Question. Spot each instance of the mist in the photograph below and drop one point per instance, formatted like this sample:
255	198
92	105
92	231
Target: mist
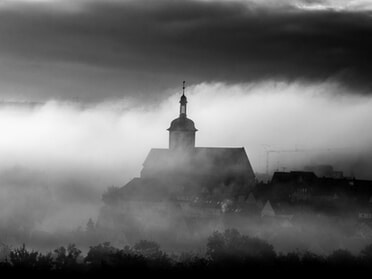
58	158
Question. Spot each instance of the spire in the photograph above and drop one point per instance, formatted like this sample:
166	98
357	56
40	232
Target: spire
182	129
183	101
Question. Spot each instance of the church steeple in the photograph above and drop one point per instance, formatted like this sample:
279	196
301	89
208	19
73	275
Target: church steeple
183	102
182	129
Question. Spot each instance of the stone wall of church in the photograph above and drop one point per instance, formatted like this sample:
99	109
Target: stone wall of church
181	139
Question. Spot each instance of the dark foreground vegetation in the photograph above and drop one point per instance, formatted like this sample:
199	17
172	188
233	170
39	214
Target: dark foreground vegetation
228	252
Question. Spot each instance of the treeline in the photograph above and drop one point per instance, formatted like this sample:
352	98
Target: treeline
227	251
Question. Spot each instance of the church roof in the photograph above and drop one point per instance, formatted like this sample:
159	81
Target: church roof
144	189
200	160
213	172
182	124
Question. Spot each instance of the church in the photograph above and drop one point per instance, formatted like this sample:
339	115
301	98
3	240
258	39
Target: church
182	191
184	171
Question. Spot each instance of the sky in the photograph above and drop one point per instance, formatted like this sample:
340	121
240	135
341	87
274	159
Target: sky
87	87
91	50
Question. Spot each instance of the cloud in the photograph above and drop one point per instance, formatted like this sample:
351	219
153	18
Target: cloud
137	48
337	5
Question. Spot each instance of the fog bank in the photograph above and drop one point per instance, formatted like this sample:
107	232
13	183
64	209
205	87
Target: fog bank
59	157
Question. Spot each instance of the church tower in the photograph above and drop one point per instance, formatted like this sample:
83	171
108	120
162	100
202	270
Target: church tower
182	129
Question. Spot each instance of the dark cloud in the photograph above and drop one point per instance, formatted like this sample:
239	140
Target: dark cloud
142	46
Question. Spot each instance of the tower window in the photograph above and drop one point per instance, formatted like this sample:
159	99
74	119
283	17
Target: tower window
183	109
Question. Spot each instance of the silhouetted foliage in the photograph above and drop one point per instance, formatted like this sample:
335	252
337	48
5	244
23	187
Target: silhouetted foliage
4	251
231	245
90	226
227	251
111	195
192	261
148	248
151	251
67	257
125	259
366	253
311	259
22	258
45	262
101	253
341	257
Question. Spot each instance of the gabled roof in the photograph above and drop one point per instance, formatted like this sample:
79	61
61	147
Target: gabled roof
157	156
200	157
268	210
218	155
212	172
144	189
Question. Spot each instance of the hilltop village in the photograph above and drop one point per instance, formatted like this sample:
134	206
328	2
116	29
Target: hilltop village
193	188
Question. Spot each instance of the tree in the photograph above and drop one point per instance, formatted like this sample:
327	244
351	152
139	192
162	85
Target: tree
366	253
312	260
152	253
4	251
22	258
45	262
232	245
111	196
100	254
90	226
341	257
67	257
148	249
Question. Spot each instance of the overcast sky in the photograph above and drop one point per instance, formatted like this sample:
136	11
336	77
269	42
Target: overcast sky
91	50
88	87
